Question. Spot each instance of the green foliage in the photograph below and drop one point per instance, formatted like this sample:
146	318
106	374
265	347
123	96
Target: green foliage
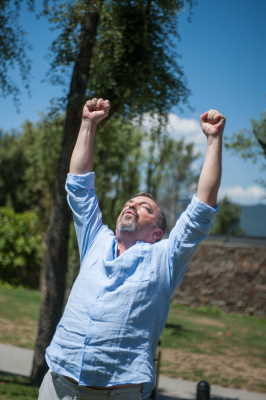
168	171
245	144
228	219
138	160
259	131
250	143
127	160
12	165
134	160
27	161
41	144
117	163
133	64
134	59
20	248
13	47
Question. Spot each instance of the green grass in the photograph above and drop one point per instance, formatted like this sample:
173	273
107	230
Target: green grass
19	312
212	331
206	343
19	302
16	388
197	343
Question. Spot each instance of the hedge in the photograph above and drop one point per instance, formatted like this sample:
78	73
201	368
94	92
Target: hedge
20	248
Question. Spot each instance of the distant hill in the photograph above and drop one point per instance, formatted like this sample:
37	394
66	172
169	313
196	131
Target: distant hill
253	220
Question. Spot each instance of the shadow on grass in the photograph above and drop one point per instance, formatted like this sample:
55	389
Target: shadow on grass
16	387
6	377
176	328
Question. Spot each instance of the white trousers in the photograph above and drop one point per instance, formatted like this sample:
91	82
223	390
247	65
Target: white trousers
57	387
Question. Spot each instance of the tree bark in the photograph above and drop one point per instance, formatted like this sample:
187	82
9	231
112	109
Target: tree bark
56	250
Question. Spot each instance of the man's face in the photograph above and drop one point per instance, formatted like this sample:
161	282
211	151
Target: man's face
139	215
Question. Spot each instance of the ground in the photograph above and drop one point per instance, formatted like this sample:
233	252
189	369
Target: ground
202	343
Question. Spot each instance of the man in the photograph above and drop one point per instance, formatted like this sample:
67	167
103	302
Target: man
105	342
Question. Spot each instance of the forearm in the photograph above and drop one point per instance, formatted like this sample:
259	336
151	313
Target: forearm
82	156
190	229
210	176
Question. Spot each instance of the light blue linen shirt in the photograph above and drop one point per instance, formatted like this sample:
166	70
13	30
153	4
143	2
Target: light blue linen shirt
119	304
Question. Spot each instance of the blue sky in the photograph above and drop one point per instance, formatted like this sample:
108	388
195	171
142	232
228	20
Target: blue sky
223	54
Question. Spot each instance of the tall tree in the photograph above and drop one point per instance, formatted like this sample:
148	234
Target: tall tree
135	67
85	21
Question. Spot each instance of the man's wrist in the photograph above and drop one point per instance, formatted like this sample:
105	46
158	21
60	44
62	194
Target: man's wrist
88	124
214	139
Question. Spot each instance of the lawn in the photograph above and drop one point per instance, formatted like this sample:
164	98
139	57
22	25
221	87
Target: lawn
207	343
19	313
197	343
16	388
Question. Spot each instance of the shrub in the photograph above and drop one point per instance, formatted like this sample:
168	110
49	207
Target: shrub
20	248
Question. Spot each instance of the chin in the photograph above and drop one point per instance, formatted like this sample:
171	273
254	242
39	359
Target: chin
127	228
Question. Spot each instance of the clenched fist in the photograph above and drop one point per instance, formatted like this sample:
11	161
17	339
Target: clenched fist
212	123
96	110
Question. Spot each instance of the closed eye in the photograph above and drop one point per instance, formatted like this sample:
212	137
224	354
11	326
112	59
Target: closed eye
150	210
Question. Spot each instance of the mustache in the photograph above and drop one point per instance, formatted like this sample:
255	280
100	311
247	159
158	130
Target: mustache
130	210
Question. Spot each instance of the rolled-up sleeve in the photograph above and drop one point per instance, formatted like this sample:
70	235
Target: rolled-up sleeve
190	229
83	202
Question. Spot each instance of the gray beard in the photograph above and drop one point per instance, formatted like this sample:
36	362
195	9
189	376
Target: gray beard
130	227
127	224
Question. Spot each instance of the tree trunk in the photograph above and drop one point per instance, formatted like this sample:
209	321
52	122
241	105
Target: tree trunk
56	251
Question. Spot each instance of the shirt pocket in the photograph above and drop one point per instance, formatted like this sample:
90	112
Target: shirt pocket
137	268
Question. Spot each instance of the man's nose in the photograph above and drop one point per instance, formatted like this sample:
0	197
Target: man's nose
132	206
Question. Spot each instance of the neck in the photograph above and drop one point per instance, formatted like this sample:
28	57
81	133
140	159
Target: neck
125	240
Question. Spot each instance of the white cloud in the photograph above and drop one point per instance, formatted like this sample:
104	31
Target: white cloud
188	129
246	196
179	128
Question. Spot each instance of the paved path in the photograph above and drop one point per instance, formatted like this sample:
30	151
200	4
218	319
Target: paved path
18	361
179	389
15	360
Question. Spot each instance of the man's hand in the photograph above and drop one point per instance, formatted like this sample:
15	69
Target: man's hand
95	110
212	123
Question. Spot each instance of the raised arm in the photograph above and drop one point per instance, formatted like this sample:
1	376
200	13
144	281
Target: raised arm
194	223
212	125
94	111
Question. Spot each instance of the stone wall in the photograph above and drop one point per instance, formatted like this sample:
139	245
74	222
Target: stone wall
230	274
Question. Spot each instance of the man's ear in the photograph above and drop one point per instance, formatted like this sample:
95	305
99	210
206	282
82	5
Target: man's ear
157	234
